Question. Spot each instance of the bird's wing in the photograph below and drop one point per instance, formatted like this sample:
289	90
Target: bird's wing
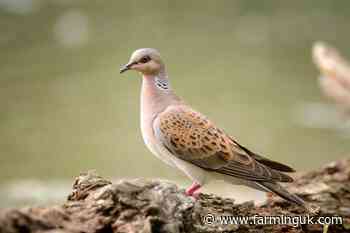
190	136
268	162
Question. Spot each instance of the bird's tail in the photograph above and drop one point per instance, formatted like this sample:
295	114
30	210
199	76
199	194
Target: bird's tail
282	192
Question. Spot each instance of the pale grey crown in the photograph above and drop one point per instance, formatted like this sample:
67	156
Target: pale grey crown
152	53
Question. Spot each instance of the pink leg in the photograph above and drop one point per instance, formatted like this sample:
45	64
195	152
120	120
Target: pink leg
196	194
191	191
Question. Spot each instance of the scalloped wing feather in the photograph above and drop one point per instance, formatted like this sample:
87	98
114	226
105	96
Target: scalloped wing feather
190	136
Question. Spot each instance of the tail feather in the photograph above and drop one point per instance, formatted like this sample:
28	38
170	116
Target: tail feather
282	192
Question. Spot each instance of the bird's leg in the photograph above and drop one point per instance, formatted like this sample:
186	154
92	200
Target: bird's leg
196	194
191	191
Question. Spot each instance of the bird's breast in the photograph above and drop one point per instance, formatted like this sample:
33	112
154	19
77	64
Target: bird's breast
149	138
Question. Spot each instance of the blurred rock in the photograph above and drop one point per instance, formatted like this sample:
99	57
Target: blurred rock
16	193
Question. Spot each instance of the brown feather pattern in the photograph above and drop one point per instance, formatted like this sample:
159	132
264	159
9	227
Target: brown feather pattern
190	136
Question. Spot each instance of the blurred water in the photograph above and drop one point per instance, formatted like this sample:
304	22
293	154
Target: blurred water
245	64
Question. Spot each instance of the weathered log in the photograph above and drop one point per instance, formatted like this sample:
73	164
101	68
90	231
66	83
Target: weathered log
97	205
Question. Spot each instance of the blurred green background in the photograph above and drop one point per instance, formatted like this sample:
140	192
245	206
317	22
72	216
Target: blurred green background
245	64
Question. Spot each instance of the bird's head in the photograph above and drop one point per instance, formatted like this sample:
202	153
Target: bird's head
147	61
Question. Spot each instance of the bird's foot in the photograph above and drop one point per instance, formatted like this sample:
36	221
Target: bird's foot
191	191
196	194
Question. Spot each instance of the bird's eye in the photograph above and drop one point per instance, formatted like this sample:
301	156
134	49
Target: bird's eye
145	59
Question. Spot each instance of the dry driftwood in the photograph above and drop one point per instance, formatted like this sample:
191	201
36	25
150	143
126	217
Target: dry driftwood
335	74
97	205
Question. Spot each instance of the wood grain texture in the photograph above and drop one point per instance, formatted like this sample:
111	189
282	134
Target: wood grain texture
95	205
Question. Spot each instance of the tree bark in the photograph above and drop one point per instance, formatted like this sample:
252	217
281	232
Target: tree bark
95	205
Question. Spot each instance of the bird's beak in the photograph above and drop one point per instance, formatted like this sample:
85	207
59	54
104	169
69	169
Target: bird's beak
126	67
